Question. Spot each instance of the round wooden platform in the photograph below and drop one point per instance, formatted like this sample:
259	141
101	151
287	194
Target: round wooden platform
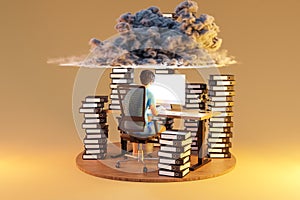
132	170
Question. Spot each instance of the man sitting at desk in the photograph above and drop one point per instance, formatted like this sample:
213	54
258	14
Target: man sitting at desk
147	77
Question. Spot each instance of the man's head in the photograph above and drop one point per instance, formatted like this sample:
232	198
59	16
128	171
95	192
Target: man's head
147	77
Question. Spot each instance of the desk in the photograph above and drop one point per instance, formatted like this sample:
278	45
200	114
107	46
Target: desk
201	117
187	114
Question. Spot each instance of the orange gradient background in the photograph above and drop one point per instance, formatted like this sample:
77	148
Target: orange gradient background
39	141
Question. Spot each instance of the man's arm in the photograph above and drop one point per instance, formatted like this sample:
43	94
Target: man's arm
153	110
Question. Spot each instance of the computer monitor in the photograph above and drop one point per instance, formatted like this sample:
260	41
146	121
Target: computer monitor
169	89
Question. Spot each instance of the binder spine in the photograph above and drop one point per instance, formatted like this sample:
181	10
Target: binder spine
95	126
196	99
221	93
174	159
119	76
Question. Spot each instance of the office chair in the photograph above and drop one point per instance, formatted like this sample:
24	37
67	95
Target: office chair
132	124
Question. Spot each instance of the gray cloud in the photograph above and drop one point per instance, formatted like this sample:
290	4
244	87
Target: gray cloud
147	37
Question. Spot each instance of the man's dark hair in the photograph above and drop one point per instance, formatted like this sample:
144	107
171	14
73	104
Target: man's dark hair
146	77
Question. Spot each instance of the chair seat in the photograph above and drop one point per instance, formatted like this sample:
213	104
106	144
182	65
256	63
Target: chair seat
142	137
138	139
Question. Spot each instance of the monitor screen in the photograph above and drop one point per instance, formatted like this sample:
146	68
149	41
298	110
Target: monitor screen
169	89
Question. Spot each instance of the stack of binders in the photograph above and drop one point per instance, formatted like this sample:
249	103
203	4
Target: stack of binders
119	76
195	100
221	92
195	96
192	126
174	153
96	129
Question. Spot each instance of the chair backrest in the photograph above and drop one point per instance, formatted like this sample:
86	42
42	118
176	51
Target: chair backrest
132	102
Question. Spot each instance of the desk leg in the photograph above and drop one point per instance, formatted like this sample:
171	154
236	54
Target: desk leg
202	157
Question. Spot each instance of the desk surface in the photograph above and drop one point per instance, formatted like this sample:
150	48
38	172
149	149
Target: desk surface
184	114
187	114
106	169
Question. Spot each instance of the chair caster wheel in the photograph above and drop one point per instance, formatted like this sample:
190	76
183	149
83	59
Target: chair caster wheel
145	170
118	165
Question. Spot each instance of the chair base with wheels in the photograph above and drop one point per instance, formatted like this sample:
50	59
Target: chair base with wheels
140	157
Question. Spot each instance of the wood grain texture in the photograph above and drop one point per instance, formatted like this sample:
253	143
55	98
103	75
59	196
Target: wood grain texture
132	171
